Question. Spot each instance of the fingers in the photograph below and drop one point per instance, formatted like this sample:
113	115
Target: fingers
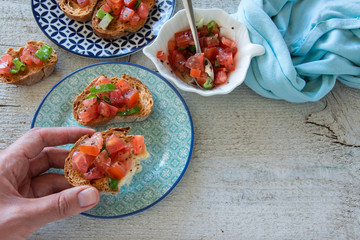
32	143
49	183
50	157
67	203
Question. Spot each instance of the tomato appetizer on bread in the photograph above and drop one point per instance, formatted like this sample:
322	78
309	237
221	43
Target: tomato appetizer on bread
27	65
124	99
185	63
110	19
106	160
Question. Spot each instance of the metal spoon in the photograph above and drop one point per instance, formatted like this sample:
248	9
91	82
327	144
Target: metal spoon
190	16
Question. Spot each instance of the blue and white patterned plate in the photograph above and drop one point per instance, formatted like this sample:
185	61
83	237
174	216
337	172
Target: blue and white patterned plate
168	132
78	37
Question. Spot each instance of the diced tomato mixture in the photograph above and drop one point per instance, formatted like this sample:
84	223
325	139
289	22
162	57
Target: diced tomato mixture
112	157
218	49
127	11
108	104
27	56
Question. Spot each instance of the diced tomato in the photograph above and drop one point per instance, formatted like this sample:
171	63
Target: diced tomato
221	78
161	55
122	155
143	10
177	61
171	45
107	110
123	85
126	14
94	173
134	19
202	79
102	80
210	53
196	62
28	56
114	144
195	73
116	6
89	102
129	3
117	98
227	42
83	3
203	32
5	64
103	160
118	170
106	7
183	38
212	41
138	144
92	145
89	113
81	161
132	97
226	59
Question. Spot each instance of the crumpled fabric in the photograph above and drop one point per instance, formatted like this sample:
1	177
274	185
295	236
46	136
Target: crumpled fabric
309	44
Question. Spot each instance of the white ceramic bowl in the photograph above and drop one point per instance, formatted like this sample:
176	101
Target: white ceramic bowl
233	30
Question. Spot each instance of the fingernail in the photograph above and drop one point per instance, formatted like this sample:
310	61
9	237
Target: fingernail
87	197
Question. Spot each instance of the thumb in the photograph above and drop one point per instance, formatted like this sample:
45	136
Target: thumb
64	204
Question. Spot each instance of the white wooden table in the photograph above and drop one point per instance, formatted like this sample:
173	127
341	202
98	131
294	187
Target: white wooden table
260	169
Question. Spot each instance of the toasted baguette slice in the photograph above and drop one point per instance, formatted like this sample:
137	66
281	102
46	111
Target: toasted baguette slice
116	29
32	73
73	11
145	103
76	178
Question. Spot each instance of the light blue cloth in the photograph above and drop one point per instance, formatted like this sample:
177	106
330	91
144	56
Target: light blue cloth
308	45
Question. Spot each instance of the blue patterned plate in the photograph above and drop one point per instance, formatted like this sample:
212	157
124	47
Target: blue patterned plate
168	132
78	37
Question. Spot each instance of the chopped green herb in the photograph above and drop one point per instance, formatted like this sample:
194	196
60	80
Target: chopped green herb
106	98
100	13
130	111
216	64
209	83
192	48
18	66
92	96
211	26
113	183
137	4
44	52
181	48
102	88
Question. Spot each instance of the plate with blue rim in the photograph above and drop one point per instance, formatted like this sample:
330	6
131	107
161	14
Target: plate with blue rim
79	38
168	132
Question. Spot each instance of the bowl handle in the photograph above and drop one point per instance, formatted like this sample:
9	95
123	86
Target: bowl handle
256	50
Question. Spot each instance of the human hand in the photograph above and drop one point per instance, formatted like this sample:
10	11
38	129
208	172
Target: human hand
30	199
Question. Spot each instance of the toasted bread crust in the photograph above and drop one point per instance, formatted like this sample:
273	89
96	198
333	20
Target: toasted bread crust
73	11
32	74
145	103
116	29
76	178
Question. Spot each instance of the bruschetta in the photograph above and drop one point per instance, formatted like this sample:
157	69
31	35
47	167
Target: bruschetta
106	160
27	65
79	10
115	18
113	100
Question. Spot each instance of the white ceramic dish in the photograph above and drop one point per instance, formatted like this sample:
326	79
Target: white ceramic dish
234	30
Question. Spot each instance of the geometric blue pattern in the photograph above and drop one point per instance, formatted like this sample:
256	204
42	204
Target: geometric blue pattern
168	131
79	38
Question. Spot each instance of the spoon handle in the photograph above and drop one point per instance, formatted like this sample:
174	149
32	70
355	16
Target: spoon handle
190	16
